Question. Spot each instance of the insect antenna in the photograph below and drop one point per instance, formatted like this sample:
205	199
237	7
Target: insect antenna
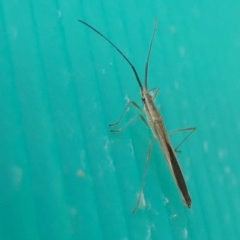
133	68
149	52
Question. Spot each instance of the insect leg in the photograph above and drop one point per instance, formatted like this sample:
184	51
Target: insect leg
128	123
144	175
155	92
124	111
191	129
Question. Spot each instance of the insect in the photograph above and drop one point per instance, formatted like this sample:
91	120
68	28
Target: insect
155	122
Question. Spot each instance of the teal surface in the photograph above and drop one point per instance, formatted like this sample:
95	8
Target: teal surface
63	175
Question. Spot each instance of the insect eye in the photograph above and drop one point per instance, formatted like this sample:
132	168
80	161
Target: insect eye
143	99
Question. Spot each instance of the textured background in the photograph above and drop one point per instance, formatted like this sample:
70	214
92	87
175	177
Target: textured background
62	174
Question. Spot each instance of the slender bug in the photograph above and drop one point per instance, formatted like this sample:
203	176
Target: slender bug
155	122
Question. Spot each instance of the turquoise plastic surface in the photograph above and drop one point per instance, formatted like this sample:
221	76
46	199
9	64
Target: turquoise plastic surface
63	175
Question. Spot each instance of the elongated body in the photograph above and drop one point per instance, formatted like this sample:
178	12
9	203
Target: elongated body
155	122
